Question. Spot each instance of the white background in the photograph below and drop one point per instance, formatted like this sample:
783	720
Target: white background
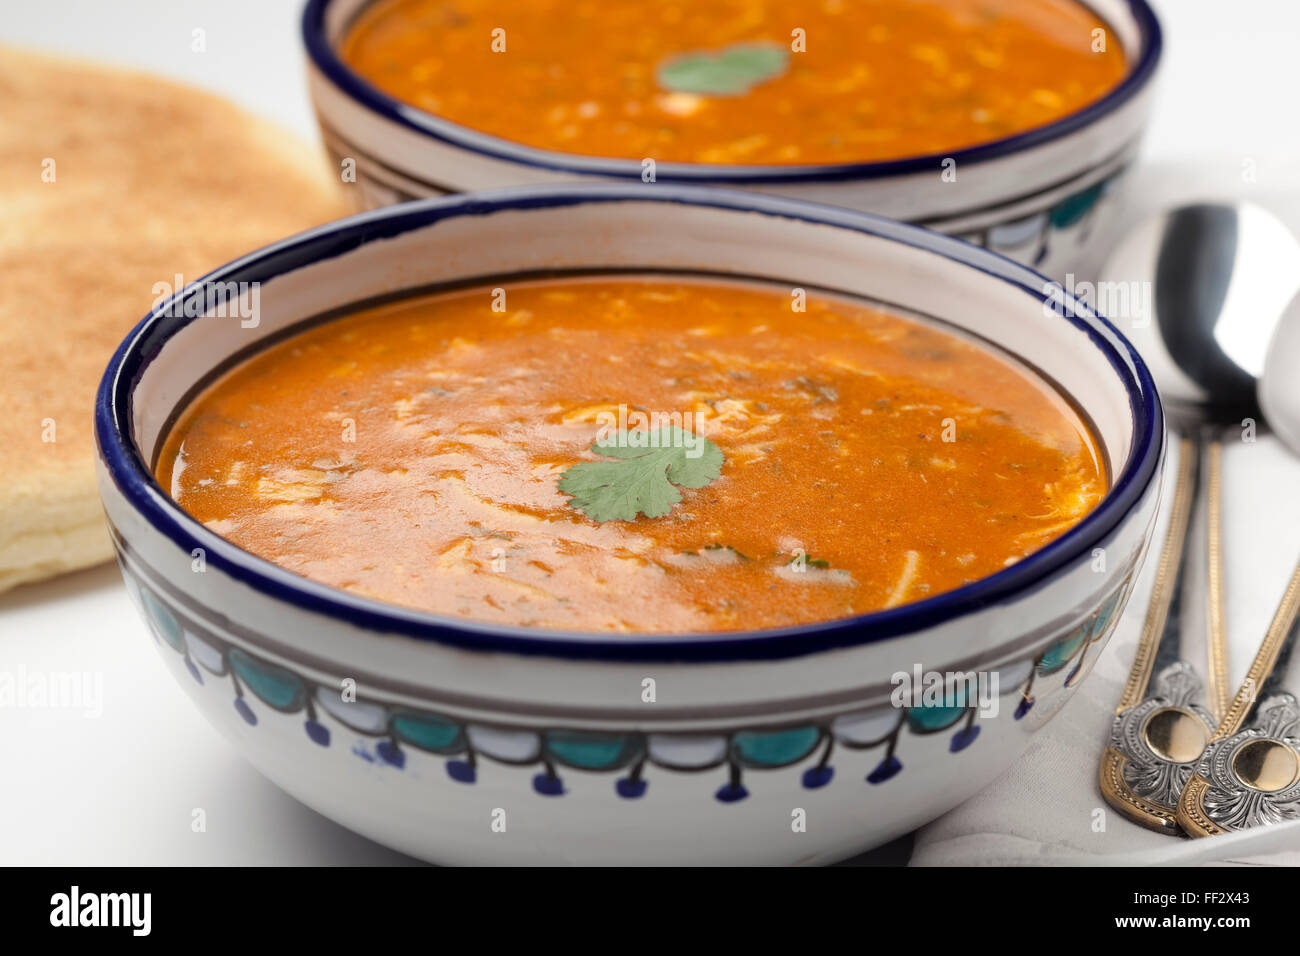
120	788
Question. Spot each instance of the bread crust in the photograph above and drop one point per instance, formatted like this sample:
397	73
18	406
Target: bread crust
113	183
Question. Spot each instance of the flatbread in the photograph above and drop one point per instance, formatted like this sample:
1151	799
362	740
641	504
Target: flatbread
150	179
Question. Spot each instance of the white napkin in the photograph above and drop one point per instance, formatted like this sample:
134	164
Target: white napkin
1043	809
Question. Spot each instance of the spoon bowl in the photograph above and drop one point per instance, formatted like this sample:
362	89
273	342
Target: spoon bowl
1279	387
1213	281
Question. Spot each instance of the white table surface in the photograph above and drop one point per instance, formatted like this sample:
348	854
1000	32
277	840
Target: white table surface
120	787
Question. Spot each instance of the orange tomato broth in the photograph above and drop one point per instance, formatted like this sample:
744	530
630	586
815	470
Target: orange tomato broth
877	80
411	453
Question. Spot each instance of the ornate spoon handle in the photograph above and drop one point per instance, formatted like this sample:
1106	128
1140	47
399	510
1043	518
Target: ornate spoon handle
1218	632
1250	777
1163	723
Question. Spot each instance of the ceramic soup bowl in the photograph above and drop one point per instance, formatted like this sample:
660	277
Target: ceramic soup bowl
431	734
1045	197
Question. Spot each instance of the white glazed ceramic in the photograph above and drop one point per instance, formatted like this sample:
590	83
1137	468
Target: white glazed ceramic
457	726
1045	197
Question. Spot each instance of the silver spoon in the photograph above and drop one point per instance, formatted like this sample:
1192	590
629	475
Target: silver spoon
1206	285
1247	778
1279	388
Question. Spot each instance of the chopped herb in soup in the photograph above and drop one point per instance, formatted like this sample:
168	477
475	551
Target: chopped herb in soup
634	454
740	81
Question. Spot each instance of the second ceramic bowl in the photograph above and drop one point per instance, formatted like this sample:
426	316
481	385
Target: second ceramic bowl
1045	197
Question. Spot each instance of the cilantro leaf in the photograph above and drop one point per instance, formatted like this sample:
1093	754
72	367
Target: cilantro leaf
729	72
642	480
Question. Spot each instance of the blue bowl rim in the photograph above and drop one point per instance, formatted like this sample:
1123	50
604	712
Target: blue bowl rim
322	55
131	474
